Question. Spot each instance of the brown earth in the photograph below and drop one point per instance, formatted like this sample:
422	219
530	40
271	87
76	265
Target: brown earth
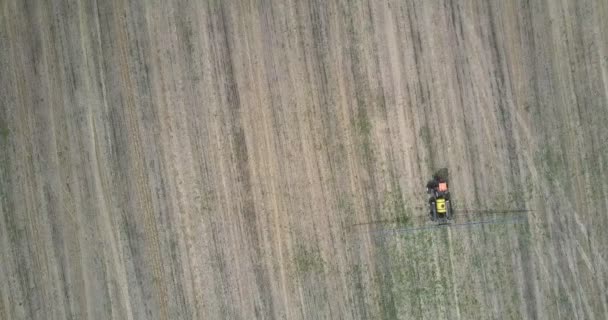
227	159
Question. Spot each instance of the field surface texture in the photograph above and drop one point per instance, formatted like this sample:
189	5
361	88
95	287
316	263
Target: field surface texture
266	159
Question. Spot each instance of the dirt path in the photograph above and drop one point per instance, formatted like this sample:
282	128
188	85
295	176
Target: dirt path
224	160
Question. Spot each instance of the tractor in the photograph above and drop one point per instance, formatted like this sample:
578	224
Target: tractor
441	211
440	207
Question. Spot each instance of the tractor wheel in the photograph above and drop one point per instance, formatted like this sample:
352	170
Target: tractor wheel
448	211
433	211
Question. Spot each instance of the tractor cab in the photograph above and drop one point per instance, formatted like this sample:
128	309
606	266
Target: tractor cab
442	187
439	201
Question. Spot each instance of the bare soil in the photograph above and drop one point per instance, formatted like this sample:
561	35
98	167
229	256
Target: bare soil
246	159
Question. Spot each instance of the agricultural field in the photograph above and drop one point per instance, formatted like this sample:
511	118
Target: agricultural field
268	159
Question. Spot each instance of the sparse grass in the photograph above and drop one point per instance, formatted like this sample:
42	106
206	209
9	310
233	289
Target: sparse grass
403	220
4	167
309	261
363	127
215	4
395	206
344	204
363	124
4	133
419	281
552	163
425	135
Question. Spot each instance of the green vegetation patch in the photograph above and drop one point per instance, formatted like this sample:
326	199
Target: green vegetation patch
425	136
426	267
394	206
4	133
363	124
345	205
552	163
309	260
363	127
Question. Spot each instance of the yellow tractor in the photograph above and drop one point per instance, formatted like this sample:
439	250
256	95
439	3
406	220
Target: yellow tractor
441	211
439	201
